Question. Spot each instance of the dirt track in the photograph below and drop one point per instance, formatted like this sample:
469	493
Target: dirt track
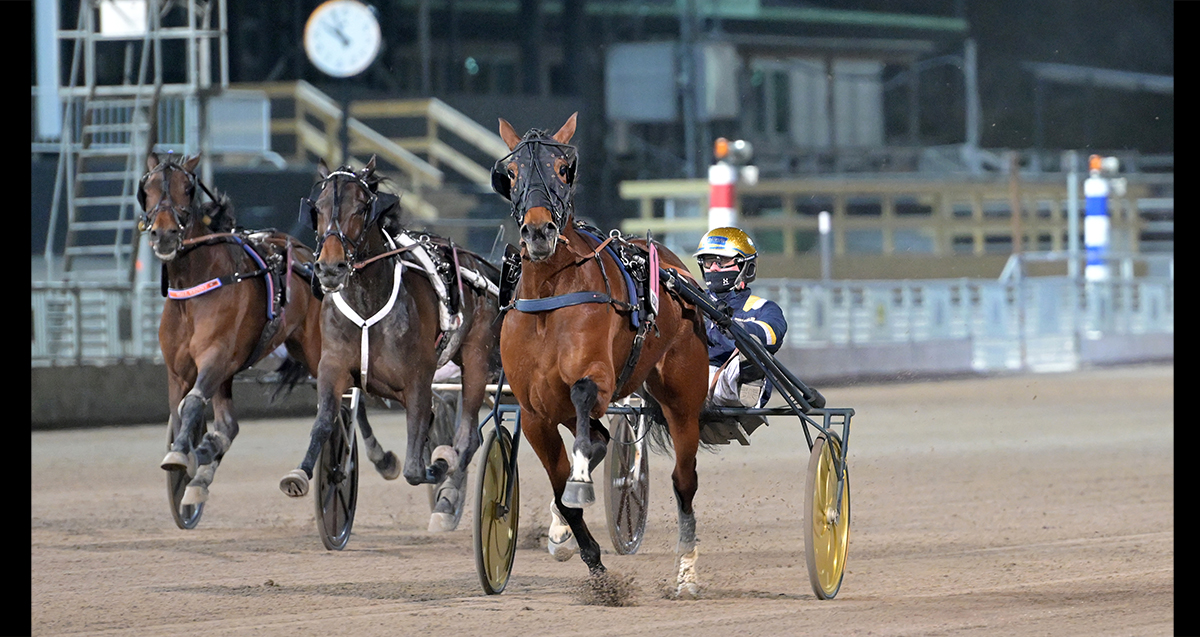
1017	505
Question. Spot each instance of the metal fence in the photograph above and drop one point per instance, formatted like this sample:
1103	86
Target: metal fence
1036	324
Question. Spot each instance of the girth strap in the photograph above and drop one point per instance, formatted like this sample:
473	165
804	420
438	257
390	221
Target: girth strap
562	300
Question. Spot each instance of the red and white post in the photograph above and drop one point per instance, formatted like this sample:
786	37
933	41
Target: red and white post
722	179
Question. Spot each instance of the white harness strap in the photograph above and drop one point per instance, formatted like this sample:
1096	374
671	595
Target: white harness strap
449	323
365	324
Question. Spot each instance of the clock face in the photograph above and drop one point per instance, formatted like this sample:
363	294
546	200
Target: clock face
342	37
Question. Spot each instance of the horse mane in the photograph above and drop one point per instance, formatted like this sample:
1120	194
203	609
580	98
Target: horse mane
219	214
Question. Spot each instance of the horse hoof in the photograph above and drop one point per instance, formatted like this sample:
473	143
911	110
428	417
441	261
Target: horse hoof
177	461
689	590
442	522
194	495
578	495
446	454
294	484
388	466
563	550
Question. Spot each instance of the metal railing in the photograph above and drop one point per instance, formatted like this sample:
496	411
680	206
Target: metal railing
1034	323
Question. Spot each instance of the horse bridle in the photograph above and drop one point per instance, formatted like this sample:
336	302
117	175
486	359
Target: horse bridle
308	206
180	214
533	188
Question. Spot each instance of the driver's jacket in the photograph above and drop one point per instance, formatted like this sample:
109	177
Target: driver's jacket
762	318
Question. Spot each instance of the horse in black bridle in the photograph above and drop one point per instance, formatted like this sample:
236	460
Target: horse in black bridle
233	297
398	306
578	338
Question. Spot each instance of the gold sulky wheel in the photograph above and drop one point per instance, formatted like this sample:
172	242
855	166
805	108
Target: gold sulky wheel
495	530
827	524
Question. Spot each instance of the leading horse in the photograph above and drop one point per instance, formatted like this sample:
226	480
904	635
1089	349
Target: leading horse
426	302
570	347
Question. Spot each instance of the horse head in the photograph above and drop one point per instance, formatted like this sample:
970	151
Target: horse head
538	179
342	207
167	195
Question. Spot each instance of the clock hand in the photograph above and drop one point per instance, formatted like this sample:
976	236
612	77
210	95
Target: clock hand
341	36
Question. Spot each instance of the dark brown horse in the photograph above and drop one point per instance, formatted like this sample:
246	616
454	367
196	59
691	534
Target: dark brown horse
389	335
569	346
233	297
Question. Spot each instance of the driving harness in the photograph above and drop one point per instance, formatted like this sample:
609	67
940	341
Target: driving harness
273	266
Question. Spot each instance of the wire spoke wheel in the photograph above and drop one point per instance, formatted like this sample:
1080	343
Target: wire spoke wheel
627	482
335	477
186	516
827	519
496	521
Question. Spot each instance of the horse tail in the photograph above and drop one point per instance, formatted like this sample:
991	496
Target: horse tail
658	436
289	374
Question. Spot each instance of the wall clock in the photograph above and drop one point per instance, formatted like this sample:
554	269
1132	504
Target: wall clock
342	37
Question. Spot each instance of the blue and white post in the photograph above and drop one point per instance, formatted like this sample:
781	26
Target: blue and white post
1096	225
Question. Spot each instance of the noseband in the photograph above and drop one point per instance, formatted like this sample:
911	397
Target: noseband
534	186
308	207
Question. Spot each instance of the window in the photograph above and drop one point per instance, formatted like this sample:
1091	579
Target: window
782	100
864	241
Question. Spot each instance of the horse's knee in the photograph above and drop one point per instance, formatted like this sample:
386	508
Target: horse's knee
191	408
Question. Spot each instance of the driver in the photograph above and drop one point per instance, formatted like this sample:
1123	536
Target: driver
728	258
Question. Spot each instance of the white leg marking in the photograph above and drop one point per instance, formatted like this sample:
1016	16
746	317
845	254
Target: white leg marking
580	472
561	544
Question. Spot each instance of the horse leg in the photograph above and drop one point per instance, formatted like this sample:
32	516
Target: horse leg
386	462
549	447
449	493
182	457
419	415
212	448
588	450
177	388
295	483
682	414
452	492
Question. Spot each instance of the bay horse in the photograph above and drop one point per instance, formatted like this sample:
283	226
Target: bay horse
367	265
233	298
569	347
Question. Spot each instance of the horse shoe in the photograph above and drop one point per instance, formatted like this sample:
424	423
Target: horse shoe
578	495
561	541
295	483
177	461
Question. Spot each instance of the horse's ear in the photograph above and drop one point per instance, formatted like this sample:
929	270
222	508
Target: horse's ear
509	135
567	131
151	161
370	168
322	169
190	163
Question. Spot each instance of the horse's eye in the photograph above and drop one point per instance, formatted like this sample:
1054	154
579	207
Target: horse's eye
511	174
562	170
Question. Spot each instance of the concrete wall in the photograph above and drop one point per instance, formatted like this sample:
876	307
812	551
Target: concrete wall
68	397
65	397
